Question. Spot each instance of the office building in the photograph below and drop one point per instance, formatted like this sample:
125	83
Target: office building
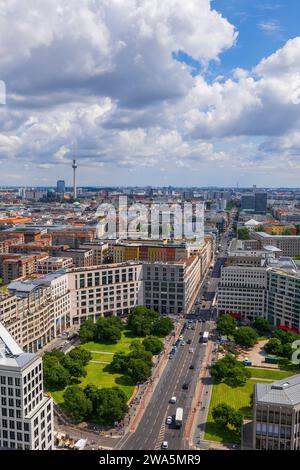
242	291
60	187
248	202
260	202
276	415
26	414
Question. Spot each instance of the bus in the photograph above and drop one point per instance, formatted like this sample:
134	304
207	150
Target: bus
178	418
205	337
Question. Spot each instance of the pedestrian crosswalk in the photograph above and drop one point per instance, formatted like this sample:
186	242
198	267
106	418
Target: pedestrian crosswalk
161	436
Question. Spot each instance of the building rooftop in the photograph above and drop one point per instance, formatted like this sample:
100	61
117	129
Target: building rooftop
11	355
282	392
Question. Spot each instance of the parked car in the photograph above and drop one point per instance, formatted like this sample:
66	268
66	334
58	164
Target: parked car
185	386
192	367
165	445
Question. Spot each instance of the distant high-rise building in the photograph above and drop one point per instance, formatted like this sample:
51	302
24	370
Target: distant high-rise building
60	187
248	202
260	202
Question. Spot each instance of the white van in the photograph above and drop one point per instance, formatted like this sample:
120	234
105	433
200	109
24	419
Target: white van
173	400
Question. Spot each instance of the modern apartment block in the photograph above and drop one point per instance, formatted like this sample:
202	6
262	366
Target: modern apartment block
99	249
14	266
80	257
276	415
35	312
26	414
52	264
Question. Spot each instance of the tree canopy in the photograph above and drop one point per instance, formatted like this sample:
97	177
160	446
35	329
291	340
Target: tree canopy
226	325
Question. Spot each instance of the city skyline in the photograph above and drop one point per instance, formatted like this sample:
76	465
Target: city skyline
142	100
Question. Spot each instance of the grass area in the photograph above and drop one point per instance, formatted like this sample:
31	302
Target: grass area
239	399
268	374
102	357
100	375
122	345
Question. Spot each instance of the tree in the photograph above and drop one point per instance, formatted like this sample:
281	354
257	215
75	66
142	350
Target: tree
108	330
139	370
245	336
273	346
153	344
141	320
226	325
229	370
56	377
237	376
287	350
163	326
76	403
87	331
243	234
119	362
261	325
80	355
259	228
75	368
236	419
225	415
109	405
221	414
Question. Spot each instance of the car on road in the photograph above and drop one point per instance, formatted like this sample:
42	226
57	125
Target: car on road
169	420
185	386
165	445
182	343
173	400
189	341
171	356
192	367
191	350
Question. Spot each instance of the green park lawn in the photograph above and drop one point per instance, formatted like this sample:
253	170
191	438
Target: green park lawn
269	374
122	345
102	357
239	399
99	375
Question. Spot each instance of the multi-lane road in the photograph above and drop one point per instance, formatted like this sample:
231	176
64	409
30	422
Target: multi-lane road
152	429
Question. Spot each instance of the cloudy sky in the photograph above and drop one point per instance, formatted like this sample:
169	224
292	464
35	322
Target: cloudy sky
158	92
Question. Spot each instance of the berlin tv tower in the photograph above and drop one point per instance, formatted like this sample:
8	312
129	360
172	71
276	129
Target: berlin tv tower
74	166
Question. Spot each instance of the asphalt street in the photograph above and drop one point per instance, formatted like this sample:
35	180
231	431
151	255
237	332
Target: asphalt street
152	429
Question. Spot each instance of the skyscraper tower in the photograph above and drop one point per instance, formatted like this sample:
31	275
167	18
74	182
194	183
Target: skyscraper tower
74	166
